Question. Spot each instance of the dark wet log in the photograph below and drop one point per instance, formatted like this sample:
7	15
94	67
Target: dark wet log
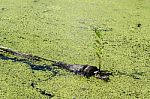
84	70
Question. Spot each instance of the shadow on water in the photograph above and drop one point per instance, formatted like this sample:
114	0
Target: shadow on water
33	66
134	74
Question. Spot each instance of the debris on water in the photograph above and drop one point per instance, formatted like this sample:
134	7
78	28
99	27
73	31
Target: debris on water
139	25
32	85
44	92
35	0
85	70
3	8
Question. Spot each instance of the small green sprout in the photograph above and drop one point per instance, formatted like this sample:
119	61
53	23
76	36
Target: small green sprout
99	46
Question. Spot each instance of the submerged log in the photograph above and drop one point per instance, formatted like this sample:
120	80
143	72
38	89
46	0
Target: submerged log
84	70
24	55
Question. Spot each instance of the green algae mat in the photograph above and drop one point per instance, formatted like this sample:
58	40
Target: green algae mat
62	30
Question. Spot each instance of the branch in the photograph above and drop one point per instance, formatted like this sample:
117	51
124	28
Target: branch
28	56
85	70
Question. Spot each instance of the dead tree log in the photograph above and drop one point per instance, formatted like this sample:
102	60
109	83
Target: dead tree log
84	70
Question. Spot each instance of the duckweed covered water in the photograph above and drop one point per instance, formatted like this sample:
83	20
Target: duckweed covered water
62	30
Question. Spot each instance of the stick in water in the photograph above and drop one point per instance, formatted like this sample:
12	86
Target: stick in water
28	56
85	70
